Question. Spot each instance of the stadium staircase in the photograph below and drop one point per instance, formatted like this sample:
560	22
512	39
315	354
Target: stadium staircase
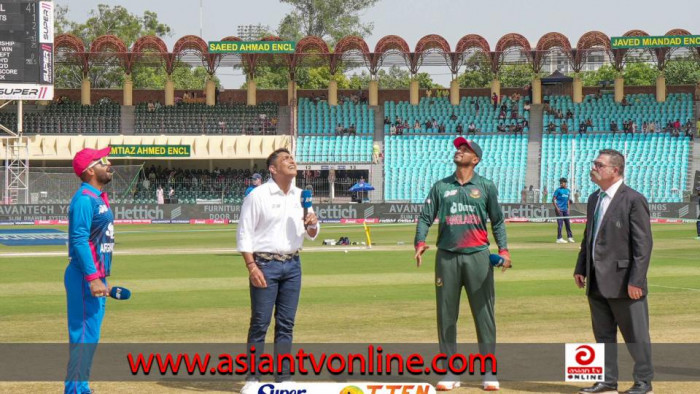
283	116
376	176
534	146
694	164
128	116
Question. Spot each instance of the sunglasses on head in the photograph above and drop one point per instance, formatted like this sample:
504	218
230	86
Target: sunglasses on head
102	160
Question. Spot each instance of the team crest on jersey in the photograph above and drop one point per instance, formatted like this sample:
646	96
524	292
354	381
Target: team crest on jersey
103	209
450	193
474	193
438	282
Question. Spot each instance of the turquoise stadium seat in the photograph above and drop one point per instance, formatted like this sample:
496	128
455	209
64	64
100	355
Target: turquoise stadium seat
414	162
642	108
656	164
322	119
332	149
440	109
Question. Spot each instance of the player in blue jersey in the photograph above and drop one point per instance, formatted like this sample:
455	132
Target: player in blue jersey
561	199
90	244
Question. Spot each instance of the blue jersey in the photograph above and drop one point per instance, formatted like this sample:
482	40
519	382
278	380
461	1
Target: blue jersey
561	198
248	190
90	232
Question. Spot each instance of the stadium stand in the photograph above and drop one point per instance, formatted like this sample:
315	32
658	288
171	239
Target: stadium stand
328	149
321	118
602	110
656	164
188	118
414	162
68	118
189	185
440	109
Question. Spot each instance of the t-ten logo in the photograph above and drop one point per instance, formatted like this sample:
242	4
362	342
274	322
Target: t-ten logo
585	362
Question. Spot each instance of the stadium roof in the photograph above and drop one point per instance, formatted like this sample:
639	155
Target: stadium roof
352	51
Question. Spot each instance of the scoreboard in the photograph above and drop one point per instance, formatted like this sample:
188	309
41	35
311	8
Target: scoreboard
26	50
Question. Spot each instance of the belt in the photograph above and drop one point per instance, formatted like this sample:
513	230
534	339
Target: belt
275	256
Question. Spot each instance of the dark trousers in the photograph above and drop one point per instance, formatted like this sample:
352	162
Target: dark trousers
632	316
473	273
561	222
697	225
281	294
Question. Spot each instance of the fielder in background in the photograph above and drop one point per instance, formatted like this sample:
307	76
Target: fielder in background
612	265
561	200
90	245
463	202
271	232
255	181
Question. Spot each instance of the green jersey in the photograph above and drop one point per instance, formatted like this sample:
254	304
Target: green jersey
462	211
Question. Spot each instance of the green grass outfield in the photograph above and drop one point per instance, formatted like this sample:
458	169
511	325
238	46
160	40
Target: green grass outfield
189	285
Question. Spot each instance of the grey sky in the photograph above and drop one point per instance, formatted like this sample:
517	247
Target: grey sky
413	19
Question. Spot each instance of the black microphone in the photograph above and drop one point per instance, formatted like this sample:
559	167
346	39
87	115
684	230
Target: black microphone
306	202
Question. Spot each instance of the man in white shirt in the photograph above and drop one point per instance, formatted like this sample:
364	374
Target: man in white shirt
271	231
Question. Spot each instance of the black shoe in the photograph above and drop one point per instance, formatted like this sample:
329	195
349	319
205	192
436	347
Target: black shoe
599	388
640	388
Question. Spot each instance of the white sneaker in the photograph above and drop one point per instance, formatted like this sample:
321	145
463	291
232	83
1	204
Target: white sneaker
447	385
561	241
571	240
249	387
491	386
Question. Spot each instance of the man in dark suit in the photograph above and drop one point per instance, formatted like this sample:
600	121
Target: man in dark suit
613	261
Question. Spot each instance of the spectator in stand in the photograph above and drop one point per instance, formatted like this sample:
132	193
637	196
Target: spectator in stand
645	127
428	125
471	128
160	197
393	130
386	120
652	127
613	126
564	127
494	100
398	121
569	114
589	124
501	128
545	193
502	114
581	128
441	128
453	116
526	107
624	102
353	131
523	195
434	124
406	126
476	108
416	125
338	129
633	127
459	129
551	127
